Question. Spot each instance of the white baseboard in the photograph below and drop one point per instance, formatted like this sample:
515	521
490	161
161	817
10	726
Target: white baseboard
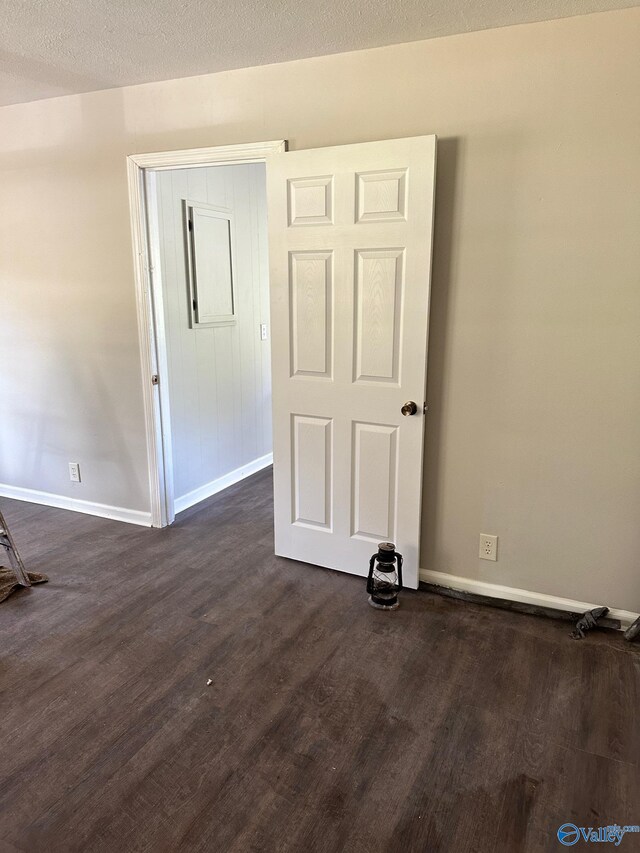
117	513
221	483
494	590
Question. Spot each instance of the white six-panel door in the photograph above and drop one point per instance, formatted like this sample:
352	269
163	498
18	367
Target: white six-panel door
350	233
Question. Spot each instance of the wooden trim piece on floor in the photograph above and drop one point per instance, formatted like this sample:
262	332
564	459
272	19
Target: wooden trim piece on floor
223	482
117	513
524	597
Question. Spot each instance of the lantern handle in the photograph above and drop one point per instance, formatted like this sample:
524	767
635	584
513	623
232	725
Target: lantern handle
399	556
370	575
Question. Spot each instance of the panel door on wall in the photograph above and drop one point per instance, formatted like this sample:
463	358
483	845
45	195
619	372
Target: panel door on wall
350	234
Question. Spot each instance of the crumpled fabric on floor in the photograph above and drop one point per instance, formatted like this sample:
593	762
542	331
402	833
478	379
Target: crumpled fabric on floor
8	581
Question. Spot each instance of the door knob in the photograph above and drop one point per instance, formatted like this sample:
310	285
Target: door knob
409	408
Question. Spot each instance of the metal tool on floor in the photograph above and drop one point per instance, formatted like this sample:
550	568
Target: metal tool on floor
588	621
633	631
15	561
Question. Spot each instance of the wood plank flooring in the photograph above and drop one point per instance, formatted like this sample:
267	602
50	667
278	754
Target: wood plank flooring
328	727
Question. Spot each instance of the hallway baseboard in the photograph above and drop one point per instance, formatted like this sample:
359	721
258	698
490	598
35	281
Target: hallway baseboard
223	482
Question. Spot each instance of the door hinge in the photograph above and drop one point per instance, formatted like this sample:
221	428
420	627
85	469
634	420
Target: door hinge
190	224
195	305
155	379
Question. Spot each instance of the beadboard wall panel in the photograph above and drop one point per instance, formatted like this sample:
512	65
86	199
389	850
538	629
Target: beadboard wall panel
219	377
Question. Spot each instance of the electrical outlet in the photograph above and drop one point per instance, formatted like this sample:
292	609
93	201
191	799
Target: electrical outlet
488	547
74	472
263	331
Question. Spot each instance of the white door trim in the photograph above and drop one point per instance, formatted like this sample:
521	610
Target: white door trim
149	299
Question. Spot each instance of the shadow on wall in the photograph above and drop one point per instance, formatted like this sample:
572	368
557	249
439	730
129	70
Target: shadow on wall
63	416
71	335
447	181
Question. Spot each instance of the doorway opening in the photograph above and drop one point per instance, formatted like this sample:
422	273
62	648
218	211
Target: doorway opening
213	282
200	238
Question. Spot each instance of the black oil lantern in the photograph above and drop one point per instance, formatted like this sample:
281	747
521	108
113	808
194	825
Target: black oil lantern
385	577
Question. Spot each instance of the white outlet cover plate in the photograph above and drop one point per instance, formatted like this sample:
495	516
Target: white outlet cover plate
488	547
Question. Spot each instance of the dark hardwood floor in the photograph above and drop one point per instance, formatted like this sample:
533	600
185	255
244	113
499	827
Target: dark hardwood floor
328	726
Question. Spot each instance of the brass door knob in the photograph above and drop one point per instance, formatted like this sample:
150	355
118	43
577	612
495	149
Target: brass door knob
409	408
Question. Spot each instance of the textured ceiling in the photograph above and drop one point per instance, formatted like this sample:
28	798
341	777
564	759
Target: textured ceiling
58	47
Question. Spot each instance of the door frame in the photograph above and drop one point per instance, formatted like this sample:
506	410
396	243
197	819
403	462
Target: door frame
149	301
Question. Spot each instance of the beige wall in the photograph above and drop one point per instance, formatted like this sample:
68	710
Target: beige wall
534	372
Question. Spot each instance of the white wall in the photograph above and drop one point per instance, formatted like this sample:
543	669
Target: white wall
534	364
220	378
